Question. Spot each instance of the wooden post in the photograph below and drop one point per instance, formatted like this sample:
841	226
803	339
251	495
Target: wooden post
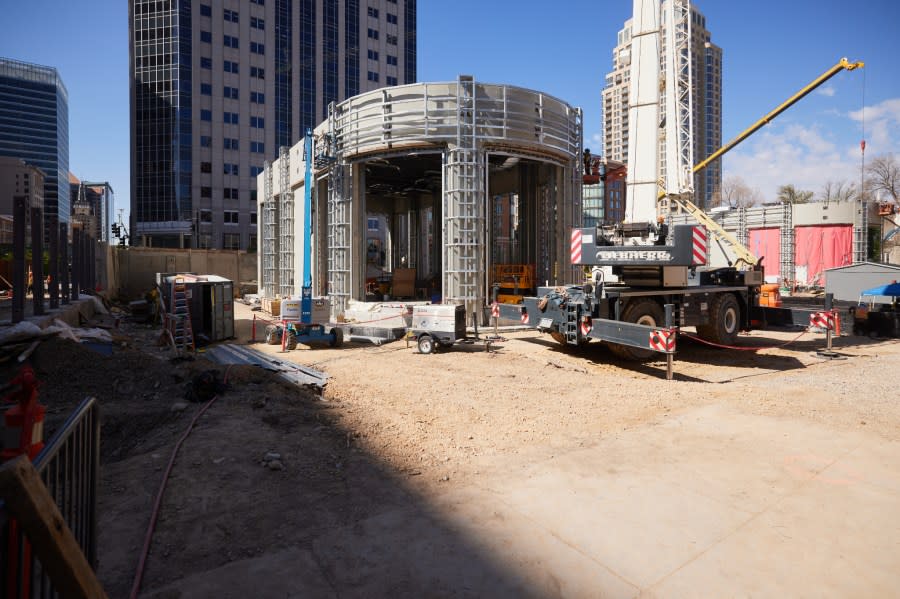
31	505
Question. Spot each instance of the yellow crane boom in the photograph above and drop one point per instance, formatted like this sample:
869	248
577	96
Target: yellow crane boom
742	252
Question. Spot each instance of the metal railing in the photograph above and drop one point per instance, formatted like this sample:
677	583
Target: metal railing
69	465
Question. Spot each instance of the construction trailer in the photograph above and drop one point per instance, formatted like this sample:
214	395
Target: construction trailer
210	301
421	191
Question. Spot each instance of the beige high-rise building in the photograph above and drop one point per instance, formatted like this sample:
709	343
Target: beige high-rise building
706	73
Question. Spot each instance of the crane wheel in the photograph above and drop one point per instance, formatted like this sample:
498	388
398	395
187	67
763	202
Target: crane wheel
725	320
337	338
641	311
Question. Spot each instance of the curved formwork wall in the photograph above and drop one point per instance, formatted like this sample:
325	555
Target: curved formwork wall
470	130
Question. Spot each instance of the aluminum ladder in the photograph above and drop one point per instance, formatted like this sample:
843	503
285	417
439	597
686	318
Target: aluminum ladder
179	319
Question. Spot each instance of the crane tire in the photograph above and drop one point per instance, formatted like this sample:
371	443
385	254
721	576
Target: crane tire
725	315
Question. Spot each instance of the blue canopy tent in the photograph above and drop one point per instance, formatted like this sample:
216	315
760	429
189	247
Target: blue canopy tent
889	290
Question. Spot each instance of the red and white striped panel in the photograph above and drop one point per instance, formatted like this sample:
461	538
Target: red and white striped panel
663	340
822	320
700	246
495	310
524	317
586	325
575	246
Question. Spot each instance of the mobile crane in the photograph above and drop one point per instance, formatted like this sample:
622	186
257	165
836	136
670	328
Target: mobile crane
661	287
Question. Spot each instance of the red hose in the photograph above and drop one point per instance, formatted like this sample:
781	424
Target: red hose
138	576
741	348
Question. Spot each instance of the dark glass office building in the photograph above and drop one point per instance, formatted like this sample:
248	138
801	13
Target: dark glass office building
34	127
217	86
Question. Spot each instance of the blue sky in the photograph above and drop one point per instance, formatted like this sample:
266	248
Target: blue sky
771	49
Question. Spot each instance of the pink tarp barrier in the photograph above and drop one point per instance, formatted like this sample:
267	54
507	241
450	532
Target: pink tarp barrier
766	243
820	247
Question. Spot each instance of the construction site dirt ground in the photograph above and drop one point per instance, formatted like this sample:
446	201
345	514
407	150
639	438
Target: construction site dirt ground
527	471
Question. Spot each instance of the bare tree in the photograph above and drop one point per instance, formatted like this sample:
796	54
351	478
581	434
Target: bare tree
737	194
839	191
884	175
788	194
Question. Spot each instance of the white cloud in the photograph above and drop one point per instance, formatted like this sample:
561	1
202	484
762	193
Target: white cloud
882	125
595	143
826	91
797	155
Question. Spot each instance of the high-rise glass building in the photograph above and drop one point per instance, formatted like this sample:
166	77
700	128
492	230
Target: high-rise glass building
34	127
706	88
217	86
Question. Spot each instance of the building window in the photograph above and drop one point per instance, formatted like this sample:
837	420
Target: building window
231	217
206	192
231	67
206	140
257	98
205	63
230	92
373	12
257	48
373	55
257	72
230	143
231	241
258	23
230	193
252	218
205	89
373	34
206	115
205	10
392	60
229	168
206	167
255	170
206	37
230	118
258	147
230	41
206	216
257	122
392	40
391	80
373	76
372	224
230	15
259	2
391	18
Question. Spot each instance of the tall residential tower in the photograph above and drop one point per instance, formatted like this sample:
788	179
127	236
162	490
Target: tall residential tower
706	100
217	86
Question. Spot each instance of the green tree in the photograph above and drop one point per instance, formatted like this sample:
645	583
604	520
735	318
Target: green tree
788	194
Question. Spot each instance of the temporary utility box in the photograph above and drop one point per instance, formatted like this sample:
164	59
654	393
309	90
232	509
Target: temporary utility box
211	301
445	322
321	309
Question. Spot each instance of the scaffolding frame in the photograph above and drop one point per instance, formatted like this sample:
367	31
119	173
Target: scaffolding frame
787	268
269	237
339	223
861	233
463	206
286	224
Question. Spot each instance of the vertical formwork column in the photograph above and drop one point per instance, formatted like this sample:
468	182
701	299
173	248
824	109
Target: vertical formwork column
20	212
76	262
463	208
286	224
861	233
54	263
339	236
64	262
37	260
787	247
270	237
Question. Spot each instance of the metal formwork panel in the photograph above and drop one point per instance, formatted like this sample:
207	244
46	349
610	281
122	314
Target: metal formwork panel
463	209
787	268
860	233
286	224
270	237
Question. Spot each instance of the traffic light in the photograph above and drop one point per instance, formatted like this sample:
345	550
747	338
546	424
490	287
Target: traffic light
115	229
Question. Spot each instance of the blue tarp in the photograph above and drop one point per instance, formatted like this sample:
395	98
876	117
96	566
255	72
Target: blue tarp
889	290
